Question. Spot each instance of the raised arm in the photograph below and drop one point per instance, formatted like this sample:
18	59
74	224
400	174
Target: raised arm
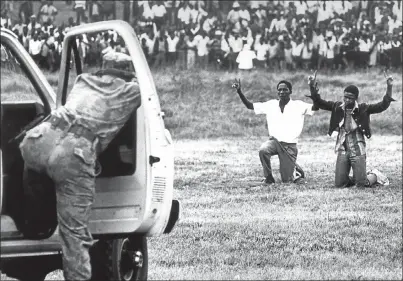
318	102
387	98
246	102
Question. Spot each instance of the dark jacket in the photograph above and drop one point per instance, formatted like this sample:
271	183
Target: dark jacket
361	115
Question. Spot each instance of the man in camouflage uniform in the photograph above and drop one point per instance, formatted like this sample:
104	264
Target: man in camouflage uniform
66	146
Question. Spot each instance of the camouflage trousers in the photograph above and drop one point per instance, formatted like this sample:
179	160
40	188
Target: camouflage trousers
70	162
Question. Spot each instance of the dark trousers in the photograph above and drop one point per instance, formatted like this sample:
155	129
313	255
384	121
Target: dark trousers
344	164
287	164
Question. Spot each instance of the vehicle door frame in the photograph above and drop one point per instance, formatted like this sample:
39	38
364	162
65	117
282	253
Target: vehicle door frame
146	84
33	73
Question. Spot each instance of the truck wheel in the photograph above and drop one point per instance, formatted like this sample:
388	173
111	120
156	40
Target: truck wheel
123	259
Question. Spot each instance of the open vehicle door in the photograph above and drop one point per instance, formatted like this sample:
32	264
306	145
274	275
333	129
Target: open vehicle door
135	185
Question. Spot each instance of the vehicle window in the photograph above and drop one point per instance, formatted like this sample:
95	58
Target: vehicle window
15	84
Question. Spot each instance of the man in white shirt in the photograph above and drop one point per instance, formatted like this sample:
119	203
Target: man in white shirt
159	12
48	11
184	15
285	120
35	46
245	58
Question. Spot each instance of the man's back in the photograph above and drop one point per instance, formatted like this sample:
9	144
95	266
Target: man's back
102	104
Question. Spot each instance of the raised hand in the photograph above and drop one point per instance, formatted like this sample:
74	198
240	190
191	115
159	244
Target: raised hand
389	78
312	79
237	84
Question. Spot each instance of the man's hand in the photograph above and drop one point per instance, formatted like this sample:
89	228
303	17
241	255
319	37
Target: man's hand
237	84
389	79
312	80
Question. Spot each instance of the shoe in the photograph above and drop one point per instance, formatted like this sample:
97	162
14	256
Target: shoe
380	178
300	181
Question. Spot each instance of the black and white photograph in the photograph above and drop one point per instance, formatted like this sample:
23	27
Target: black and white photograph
201	140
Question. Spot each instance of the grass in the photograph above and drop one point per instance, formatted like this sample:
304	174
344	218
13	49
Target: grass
234	228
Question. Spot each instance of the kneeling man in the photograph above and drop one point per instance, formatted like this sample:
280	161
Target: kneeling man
285	120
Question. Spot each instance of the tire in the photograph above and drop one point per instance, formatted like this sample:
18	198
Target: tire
124	259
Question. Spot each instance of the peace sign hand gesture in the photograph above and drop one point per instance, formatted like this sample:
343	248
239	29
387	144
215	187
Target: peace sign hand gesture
237	84
312	80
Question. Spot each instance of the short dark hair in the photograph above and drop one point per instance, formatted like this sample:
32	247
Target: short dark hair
289	86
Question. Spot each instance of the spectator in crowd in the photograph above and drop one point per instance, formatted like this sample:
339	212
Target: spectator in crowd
235	43
19	27
191	51
202	49
95	10
364	33
25	11
172	43
273	49
261	47
5	20
33	25
47	12
108	10
160	51
35	46
80	7
159	12
245	58
234	17
181	48
306	54
184	16
296	52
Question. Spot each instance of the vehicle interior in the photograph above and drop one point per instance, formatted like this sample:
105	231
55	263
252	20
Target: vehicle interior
21	108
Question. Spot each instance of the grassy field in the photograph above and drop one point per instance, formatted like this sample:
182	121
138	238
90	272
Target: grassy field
234	228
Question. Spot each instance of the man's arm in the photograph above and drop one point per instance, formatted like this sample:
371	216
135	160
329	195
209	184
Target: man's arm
246	102
318	102
387	98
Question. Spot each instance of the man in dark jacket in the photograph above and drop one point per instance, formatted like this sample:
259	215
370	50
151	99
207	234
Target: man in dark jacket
351	120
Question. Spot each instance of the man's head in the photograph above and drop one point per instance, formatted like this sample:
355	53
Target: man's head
351	93
284	90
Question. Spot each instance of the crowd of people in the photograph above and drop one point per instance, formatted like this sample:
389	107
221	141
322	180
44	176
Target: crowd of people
251	34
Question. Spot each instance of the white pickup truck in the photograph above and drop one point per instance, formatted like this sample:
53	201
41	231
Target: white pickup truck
134	190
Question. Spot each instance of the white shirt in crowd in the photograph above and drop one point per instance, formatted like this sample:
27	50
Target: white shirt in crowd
364	45
147	12
245	58
35	47
184	15
261	51
244	14
158	10
37	25
5	21
172	42
307	50
235	44
202	49
278	24
284	126
48	11
326	49
296	49
80	4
